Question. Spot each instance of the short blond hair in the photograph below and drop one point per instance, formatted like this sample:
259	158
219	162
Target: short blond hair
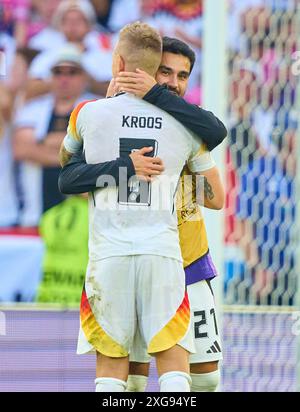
140	45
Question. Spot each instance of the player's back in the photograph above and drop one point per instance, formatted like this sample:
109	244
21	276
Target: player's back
140	218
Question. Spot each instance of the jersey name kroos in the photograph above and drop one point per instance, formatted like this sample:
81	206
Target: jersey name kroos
142	122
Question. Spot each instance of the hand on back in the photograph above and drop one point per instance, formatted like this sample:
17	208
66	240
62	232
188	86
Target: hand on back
146	167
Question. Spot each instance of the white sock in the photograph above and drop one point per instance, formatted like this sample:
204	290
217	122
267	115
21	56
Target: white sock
136	383
110	385
205	382
175	382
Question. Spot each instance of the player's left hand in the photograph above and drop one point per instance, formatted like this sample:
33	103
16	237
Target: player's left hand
138	83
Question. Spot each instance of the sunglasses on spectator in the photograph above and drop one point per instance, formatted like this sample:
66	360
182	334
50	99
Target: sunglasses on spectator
57	71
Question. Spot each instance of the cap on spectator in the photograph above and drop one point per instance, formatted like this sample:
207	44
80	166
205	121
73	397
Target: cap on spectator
84	6
69	55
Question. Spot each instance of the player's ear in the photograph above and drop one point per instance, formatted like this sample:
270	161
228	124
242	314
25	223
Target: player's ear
121	64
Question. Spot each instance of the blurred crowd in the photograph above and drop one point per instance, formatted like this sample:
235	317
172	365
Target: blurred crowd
56	53
261	158
38	93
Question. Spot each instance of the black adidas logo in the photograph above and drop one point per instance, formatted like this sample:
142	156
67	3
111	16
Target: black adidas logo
215	348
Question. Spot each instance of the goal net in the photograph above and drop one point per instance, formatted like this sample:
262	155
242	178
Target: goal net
261	227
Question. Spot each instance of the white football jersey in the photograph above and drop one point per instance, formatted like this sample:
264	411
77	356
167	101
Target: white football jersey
138	217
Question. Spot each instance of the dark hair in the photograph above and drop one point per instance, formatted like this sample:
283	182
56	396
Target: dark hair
176	46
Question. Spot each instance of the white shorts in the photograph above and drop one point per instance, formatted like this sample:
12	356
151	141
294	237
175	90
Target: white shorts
143	293
205	327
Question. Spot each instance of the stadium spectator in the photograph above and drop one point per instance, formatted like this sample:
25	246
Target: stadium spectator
13	82
7	50
118	18
12	95
14	17
8	202
24	19
40	24
75	22
103	9
39	130
183	20
43	35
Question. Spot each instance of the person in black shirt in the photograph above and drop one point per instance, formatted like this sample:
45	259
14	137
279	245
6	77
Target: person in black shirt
41	125
77	176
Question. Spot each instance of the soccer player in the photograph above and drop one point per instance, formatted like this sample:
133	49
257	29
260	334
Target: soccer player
177	63
135	274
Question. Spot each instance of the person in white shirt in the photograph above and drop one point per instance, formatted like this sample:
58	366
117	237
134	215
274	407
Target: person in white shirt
73	23
43	35
61	28
12	96
183	20
118	18
7	54
135	279
39	128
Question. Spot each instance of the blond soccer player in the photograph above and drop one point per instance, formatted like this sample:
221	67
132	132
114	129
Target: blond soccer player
135	278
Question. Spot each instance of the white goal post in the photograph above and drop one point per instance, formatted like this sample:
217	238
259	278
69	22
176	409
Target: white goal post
264	295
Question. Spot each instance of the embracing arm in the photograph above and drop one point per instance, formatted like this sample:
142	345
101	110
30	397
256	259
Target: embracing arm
79	177
201	122
214	194
210	189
